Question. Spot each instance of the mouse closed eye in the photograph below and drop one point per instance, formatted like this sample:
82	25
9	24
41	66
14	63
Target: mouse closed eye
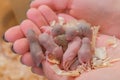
57	30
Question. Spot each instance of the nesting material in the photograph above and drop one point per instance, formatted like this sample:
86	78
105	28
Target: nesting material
112	42
95	30
58	71
100	53
11	68
80	54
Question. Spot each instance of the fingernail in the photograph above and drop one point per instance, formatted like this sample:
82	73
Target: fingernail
32	0
4	38
40	65
21	60
32	70
13	49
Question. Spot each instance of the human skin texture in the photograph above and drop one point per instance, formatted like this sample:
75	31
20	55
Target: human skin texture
97	74
104	13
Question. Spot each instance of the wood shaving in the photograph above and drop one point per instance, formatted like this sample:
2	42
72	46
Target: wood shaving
101	60
16	70
61	20
100	53
53	23
58	71
95	30
54	61
112	42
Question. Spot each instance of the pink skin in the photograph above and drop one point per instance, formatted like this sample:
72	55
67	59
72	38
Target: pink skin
36	16
91	75
71	33
47	13
85	52
23	46
28	24
14	31
92	12
67	18
54	4
46	29
75	64
81	29
71	53
27	57
37	70
52	49
35	48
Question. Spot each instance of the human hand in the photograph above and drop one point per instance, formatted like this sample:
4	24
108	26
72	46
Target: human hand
23	48
103	13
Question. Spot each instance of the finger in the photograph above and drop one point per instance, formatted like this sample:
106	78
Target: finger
66	17
21	46
27	24
92	10
27	60
48	13
13	34
46	29
36	16
37	70
51	75
54	4
37	3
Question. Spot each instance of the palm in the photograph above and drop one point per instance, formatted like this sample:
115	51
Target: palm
102	13
106	73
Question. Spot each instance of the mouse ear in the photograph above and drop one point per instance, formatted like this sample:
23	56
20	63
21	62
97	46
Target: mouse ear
58	71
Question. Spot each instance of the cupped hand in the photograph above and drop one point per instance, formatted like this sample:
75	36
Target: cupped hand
102	13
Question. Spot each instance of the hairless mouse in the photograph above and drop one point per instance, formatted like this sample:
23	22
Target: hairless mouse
81	29
71	53
85	52
35	48
75	64
52	49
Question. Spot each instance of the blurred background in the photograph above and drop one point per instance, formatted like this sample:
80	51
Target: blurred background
12	12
